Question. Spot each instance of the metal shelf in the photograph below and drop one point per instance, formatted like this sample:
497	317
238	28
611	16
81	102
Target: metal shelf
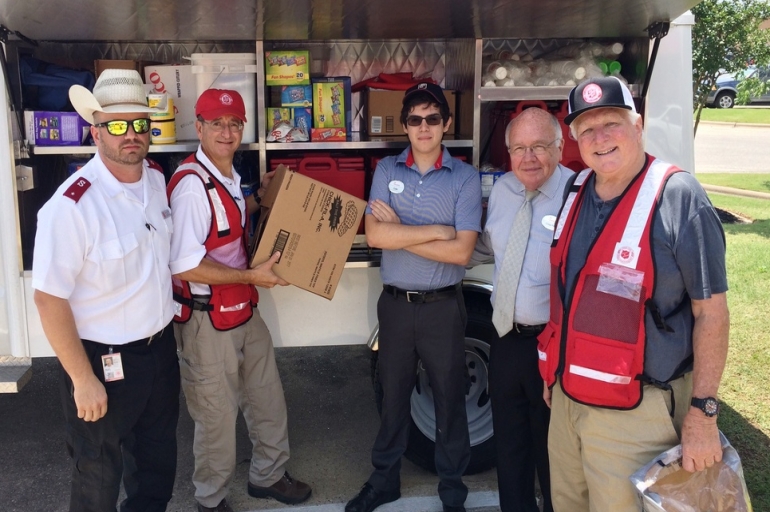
179	147
560	92
362	141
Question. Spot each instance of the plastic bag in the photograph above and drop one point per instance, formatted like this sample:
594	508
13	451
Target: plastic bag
663	486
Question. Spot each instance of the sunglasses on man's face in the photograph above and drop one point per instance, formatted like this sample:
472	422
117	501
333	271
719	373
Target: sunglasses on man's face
119	127
432	120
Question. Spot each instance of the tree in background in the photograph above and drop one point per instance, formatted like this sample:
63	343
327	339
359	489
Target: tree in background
725	38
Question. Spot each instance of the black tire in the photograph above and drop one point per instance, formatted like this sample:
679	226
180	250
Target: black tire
725	100
421	448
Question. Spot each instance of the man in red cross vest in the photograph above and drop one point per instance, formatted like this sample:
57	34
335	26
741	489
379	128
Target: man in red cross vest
634	350
226	352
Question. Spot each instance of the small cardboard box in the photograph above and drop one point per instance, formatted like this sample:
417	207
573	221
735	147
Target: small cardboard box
179	83
287	67
274	115
383	111
296	96
312	224
331	102
56	128
328	135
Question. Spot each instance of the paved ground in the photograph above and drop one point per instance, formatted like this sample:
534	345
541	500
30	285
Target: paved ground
728	148
332	424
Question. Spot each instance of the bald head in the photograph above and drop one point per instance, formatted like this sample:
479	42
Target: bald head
535	144
537	116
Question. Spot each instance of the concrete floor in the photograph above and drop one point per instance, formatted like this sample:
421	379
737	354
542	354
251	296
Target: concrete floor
332	424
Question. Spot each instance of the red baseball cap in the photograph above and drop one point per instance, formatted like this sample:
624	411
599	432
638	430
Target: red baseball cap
214	103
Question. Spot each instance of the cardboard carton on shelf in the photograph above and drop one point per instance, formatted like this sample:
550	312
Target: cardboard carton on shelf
383	111
312	224
44	128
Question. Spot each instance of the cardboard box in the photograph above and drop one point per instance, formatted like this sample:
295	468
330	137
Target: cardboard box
274	115
296	96
287	67
313	225
331	102
383	111
179	83
55	128
303	118
328	135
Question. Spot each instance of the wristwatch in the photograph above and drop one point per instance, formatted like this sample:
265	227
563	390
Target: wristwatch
708	405
256	196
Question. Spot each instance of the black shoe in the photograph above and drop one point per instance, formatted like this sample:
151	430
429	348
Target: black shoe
286	490
222	507
368	499
450	508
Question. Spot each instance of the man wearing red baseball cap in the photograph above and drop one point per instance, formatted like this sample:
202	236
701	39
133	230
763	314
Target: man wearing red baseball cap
226	352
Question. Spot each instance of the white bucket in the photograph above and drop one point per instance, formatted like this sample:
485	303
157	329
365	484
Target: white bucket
236	71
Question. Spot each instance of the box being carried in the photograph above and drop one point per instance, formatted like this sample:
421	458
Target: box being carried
55	128
313	225
288	67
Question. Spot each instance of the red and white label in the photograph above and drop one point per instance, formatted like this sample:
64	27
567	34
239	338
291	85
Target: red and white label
226	99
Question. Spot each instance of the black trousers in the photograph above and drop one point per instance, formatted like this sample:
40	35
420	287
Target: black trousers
435	334
136	439
520	418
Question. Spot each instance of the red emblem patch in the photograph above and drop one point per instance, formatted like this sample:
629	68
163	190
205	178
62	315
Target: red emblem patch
77	189
592	93
625	254
226	99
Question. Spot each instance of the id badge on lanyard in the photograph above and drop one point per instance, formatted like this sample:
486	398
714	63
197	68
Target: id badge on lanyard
112	365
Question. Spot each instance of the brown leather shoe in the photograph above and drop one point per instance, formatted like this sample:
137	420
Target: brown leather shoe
286	490
222	507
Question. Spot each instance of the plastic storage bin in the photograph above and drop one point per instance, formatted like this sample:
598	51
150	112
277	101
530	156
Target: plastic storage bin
236	71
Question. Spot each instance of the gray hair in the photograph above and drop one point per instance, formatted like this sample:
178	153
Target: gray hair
538	112
631	116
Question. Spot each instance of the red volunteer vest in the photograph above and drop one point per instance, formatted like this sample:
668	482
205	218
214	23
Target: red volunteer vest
599	351
229	305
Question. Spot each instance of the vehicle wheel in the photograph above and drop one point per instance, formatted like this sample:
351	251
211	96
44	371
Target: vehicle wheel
725	100
422	436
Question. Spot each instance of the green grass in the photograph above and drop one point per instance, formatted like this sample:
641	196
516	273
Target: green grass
736	115
744	391
757	182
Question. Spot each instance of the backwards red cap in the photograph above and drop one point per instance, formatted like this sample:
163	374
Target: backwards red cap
214	103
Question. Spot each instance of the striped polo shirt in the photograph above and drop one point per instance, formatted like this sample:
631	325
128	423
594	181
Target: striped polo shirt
449	194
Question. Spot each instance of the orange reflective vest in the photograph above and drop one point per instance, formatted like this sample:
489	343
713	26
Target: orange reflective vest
599	351
229	305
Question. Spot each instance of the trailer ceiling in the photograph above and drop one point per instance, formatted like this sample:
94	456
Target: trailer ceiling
197	20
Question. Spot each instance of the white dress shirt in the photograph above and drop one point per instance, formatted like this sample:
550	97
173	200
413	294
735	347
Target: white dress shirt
108	254
532	295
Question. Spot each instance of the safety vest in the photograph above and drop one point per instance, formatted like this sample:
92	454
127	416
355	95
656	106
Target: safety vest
599	352
229	305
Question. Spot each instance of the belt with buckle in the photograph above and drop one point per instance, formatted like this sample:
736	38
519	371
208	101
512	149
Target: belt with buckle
144	341
422	296
528	330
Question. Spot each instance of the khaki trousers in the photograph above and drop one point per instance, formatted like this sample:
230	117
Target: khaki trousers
222	371
592	451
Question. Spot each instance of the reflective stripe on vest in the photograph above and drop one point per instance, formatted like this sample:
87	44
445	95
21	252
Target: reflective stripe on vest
220	214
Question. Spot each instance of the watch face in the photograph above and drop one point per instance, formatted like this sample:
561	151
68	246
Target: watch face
711	407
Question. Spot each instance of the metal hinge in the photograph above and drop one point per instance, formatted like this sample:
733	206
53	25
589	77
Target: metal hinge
658	29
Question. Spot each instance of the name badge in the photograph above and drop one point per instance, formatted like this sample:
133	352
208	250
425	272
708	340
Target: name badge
113	367
396	186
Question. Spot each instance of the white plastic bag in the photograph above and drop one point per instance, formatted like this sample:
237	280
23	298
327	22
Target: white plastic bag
663	486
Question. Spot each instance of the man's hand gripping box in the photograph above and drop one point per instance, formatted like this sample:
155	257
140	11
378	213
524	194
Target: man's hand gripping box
312	224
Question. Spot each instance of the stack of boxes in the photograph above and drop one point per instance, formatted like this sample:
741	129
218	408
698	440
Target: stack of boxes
320	107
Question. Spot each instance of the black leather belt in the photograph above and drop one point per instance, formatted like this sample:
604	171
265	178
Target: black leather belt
528	330
422	296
